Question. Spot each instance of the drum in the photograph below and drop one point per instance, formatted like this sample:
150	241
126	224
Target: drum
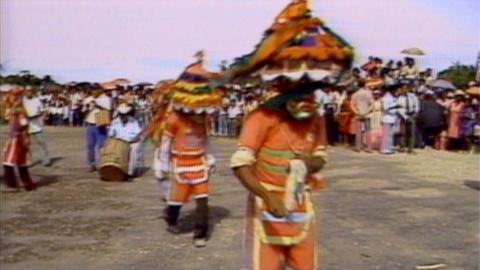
114	157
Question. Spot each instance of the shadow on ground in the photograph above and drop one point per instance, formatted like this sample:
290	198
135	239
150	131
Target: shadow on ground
216	215
46	180
472	184
53	161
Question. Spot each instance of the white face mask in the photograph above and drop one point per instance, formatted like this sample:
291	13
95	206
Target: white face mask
298	113
23	122
302	115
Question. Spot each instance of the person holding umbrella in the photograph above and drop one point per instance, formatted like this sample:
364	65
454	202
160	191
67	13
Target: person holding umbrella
410	70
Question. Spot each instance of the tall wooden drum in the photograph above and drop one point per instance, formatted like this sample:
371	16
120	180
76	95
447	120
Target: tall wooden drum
114	157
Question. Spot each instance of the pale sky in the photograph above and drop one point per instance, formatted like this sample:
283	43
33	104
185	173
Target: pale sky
150	40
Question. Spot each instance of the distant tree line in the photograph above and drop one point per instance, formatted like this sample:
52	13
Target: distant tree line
460	75
24	77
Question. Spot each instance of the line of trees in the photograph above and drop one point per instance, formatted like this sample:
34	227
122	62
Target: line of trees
460	75
25	77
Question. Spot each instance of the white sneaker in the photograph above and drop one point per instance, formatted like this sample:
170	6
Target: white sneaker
200	242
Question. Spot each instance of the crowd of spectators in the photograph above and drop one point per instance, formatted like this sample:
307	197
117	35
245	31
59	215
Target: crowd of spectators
384	105
227	122
67	107
394	107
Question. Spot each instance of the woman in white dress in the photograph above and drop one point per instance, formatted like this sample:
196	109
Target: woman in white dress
376	120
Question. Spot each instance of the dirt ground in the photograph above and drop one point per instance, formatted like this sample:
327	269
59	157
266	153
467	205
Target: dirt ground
379	212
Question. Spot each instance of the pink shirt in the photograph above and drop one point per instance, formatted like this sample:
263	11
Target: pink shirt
362	101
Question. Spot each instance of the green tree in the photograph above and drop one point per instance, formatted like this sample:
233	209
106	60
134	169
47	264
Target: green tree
460	75
223	65
24	77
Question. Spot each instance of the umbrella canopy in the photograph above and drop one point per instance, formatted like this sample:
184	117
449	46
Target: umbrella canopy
475	90
83	84
52	87
109	85
121	81
413	51
443	84
144	84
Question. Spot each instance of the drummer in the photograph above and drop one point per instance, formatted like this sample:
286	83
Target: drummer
125	127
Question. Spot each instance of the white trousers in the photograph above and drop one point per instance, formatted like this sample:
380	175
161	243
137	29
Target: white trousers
134	159
162	179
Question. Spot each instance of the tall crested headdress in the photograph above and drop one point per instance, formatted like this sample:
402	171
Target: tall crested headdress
192	92
297	46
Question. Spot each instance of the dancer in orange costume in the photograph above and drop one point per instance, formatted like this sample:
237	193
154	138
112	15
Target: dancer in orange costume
183	150
282	144
280	152
17	147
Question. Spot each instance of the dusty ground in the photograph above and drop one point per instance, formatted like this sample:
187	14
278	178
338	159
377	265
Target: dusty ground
379	212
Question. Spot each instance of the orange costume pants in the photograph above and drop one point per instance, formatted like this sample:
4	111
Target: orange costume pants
181	193
263	256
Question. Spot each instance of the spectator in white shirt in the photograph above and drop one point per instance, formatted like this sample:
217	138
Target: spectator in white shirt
96	134
76	108
35	112
322	98
408	111
222	122
235	113
330	107
390	112
142	109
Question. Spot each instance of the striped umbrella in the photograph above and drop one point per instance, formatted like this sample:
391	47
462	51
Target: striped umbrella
121	81
413	51
475	91
443	84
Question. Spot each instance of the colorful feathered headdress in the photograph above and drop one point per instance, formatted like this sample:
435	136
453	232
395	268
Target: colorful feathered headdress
13	102
192	91
298	47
